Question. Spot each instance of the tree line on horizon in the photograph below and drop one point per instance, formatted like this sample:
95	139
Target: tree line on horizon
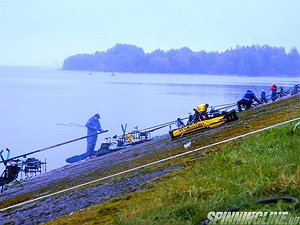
247	60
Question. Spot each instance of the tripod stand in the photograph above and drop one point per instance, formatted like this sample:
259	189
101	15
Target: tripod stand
10	172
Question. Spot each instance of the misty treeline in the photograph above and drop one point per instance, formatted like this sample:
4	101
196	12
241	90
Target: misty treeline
249	60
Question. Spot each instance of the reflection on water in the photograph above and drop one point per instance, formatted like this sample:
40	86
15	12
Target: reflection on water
35	100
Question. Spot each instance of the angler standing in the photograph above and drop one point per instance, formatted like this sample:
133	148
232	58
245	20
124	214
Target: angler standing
273	89
93	126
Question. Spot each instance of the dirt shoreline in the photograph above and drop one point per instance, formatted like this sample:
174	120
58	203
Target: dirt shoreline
70	175
65	203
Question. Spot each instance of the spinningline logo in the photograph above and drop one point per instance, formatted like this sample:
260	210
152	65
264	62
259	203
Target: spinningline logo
254	218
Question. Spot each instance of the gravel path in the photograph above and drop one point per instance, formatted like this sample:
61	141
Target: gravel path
84	171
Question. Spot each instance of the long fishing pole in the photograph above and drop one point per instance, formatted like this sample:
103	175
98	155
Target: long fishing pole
228	106
79	125
174	121
53	146
255	89
155	128
68	125
163	125
223	105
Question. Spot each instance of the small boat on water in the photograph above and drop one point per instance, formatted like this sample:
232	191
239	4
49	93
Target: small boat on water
212	122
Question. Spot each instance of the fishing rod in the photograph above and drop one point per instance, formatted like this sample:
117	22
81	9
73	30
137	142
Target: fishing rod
255	89
53	146
153	128
228	105
163	125
223	105
147	130
156	128
68	125
77	124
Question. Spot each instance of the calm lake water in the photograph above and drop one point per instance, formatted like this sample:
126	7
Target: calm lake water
35	100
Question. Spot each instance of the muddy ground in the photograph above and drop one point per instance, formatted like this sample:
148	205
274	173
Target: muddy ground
66	202
77	173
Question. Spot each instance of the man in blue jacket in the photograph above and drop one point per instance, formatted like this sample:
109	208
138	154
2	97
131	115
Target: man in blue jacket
93	126
247	100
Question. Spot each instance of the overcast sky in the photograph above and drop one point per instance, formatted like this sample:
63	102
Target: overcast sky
45	32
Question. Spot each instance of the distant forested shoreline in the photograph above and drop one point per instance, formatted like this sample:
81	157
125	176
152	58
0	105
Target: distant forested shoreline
248	60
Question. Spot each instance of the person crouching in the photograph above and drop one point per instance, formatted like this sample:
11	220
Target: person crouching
247	100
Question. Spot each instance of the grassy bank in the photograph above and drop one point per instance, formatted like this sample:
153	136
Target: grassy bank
256	167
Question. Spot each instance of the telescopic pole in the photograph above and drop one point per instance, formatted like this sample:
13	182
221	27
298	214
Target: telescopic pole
53	146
